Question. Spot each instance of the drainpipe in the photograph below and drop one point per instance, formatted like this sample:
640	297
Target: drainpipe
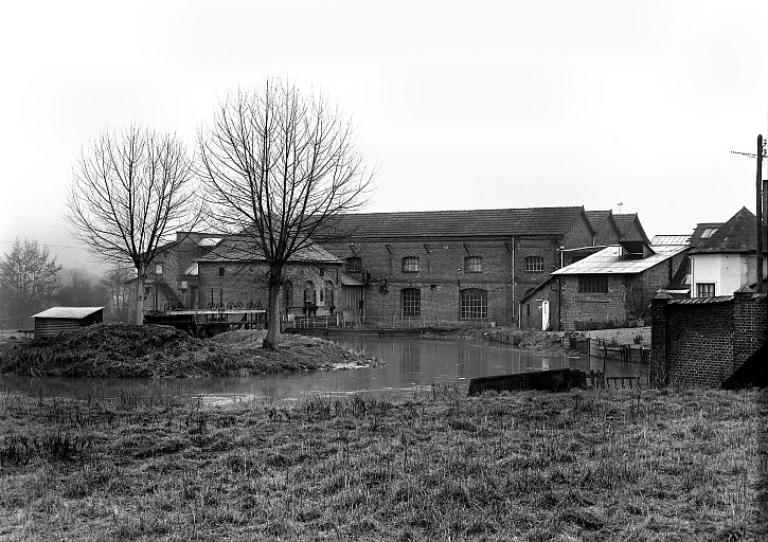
514	282
759	216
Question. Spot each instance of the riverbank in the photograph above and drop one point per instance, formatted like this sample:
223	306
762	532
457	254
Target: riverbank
641	465
129	351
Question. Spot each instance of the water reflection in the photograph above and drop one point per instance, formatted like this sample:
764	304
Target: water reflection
411	364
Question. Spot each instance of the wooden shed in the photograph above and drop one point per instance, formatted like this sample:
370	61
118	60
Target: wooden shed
55	320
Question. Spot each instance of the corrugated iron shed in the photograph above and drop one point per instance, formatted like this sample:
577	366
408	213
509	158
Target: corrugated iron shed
609	262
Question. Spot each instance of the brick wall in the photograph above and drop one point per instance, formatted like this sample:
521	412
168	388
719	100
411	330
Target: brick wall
578	308
247	283
703	341
442	273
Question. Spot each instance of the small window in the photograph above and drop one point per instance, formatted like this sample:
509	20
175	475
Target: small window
411	264
322	273
411	302
534	263
593	284
354	264
705	289
221	271
474	304
159	269
473	264
708	232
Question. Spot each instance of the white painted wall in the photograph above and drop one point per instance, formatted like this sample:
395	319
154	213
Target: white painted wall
728	272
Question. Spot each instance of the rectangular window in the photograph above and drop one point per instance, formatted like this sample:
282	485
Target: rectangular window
593	284
221	271
473	264
474	304
534	263
159	269
354	264
411	302
411	264
705	289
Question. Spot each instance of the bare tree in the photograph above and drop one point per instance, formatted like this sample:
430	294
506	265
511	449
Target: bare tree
278	166
28	281
131	192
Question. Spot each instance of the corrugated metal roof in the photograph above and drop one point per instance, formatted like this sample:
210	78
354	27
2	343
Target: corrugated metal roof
467	223
673	240
608	262
702	300
74	313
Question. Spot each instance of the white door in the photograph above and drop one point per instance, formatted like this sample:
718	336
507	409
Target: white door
545	315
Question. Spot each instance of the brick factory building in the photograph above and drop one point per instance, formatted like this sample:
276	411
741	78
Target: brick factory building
463	266
199	271
401	268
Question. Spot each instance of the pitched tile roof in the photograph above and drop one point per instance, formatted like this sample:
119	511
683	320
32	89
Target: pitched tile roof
625	221
597	218
467	223
704	231
609	262
241	249
735	236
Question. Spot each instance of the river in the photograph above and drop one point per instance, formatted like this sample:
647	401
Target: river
411	363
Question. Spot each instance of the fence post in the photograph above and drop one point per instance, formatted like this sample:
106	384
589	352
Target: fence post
659	370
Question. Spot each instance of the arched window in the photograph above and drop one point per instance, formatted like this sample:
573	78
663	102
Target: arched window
287	294
474	304
309	293
354	263
534	263
410	300
411	264
473	264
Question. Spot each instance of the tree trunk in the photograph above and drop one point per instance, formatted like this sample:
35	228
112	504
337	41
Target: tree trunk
272	339
140	298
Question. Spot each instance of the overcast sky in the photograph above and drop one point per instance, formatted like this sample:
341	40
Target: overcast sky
458	104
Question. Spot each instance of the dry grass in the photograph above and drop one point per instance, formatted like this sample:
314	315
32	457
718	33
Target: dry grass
129	351
640	465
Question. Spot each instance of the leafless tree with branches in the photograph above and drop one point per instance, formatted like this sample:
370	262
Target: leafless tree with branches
131	192
278	165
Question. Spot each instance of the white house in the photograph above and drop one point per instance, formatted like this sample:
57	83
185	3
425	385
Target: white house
725	261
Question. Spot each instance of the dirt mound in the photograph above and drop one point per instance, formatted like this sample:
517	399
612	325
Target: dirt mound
254	337
126	351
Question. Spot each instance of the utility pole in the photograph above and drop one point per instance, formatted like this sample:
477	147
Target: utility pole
759	215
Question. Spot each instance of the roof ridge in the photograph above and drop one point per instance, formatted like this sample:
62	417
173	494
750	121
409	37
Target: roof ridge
563	207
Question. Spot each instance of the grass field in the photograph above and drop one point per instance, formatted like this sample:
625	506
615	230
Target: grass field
587	465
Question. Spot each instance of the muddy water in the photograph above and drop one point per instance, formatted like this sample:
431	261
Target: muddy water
411	363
